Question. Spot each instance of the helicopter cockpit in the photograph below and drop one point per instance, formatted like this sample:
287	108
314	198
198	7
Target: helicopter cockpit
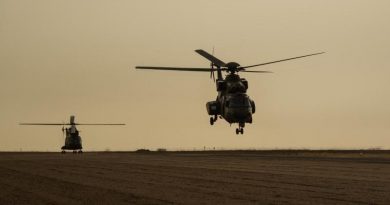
238	101
236	87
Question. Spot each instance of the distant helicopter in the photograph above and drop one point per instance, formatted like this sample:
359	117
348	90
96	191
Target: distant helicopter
232	103
72	139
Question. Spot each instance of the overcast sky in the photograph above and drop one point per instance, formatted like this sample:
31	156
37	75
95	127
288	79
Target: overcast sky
69	57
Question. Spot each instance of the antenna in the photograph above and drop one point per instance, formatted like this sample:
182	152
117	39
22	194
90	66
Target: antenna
212	67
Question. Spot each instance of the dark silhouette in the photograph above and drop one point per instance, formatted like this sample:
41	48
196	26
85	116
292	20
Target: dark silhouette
232	103
72	139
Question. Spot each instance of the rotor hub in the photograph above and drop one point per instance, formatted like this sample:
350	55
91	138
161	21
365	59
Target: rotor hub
232	67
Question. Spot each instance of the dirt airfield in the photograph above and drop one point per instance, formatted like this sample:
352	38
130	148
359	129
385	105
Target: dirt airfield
222	177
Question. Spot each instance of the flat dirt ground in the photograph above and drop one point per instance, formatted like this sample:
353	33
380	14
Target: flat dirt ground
237	177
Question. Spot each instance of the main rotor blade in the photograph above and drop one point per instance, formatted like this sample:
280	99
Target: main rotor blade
282	60
69	124
44	124
211	58
256	71
173	68
97	124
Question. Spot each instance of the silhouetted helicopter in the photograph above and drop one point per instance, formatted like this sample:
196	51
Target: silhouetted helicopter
232	103
72	139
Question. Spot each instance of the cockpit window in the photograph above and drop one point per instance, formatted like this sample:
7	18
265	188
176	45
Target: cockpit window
237	88
239	101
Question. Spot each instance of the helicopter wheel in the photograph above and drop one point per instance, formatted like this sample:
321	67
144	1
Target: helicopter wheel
63	152
80	151
211	121
240	130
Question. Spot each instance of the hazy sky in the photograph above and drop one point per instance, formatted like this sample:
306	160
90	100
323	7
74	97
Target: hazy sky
64	57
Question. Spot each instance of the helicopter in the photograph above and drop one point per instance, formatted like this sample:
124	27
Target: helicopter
232	102
72	139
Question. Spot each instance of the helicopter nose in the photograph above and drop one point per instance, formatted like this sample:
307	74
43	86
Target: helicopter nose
240	113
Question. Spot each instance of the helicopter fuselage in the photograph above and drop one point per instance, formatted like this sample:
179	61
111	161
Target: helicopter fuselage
232	103
72	139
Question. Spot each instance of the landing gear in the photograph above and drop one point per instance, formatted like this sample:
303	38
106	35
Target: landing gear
240	128
213	119
74	151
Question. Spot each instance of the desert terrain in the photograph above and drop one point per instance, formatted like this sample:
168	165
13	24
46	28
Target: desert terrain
220	177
